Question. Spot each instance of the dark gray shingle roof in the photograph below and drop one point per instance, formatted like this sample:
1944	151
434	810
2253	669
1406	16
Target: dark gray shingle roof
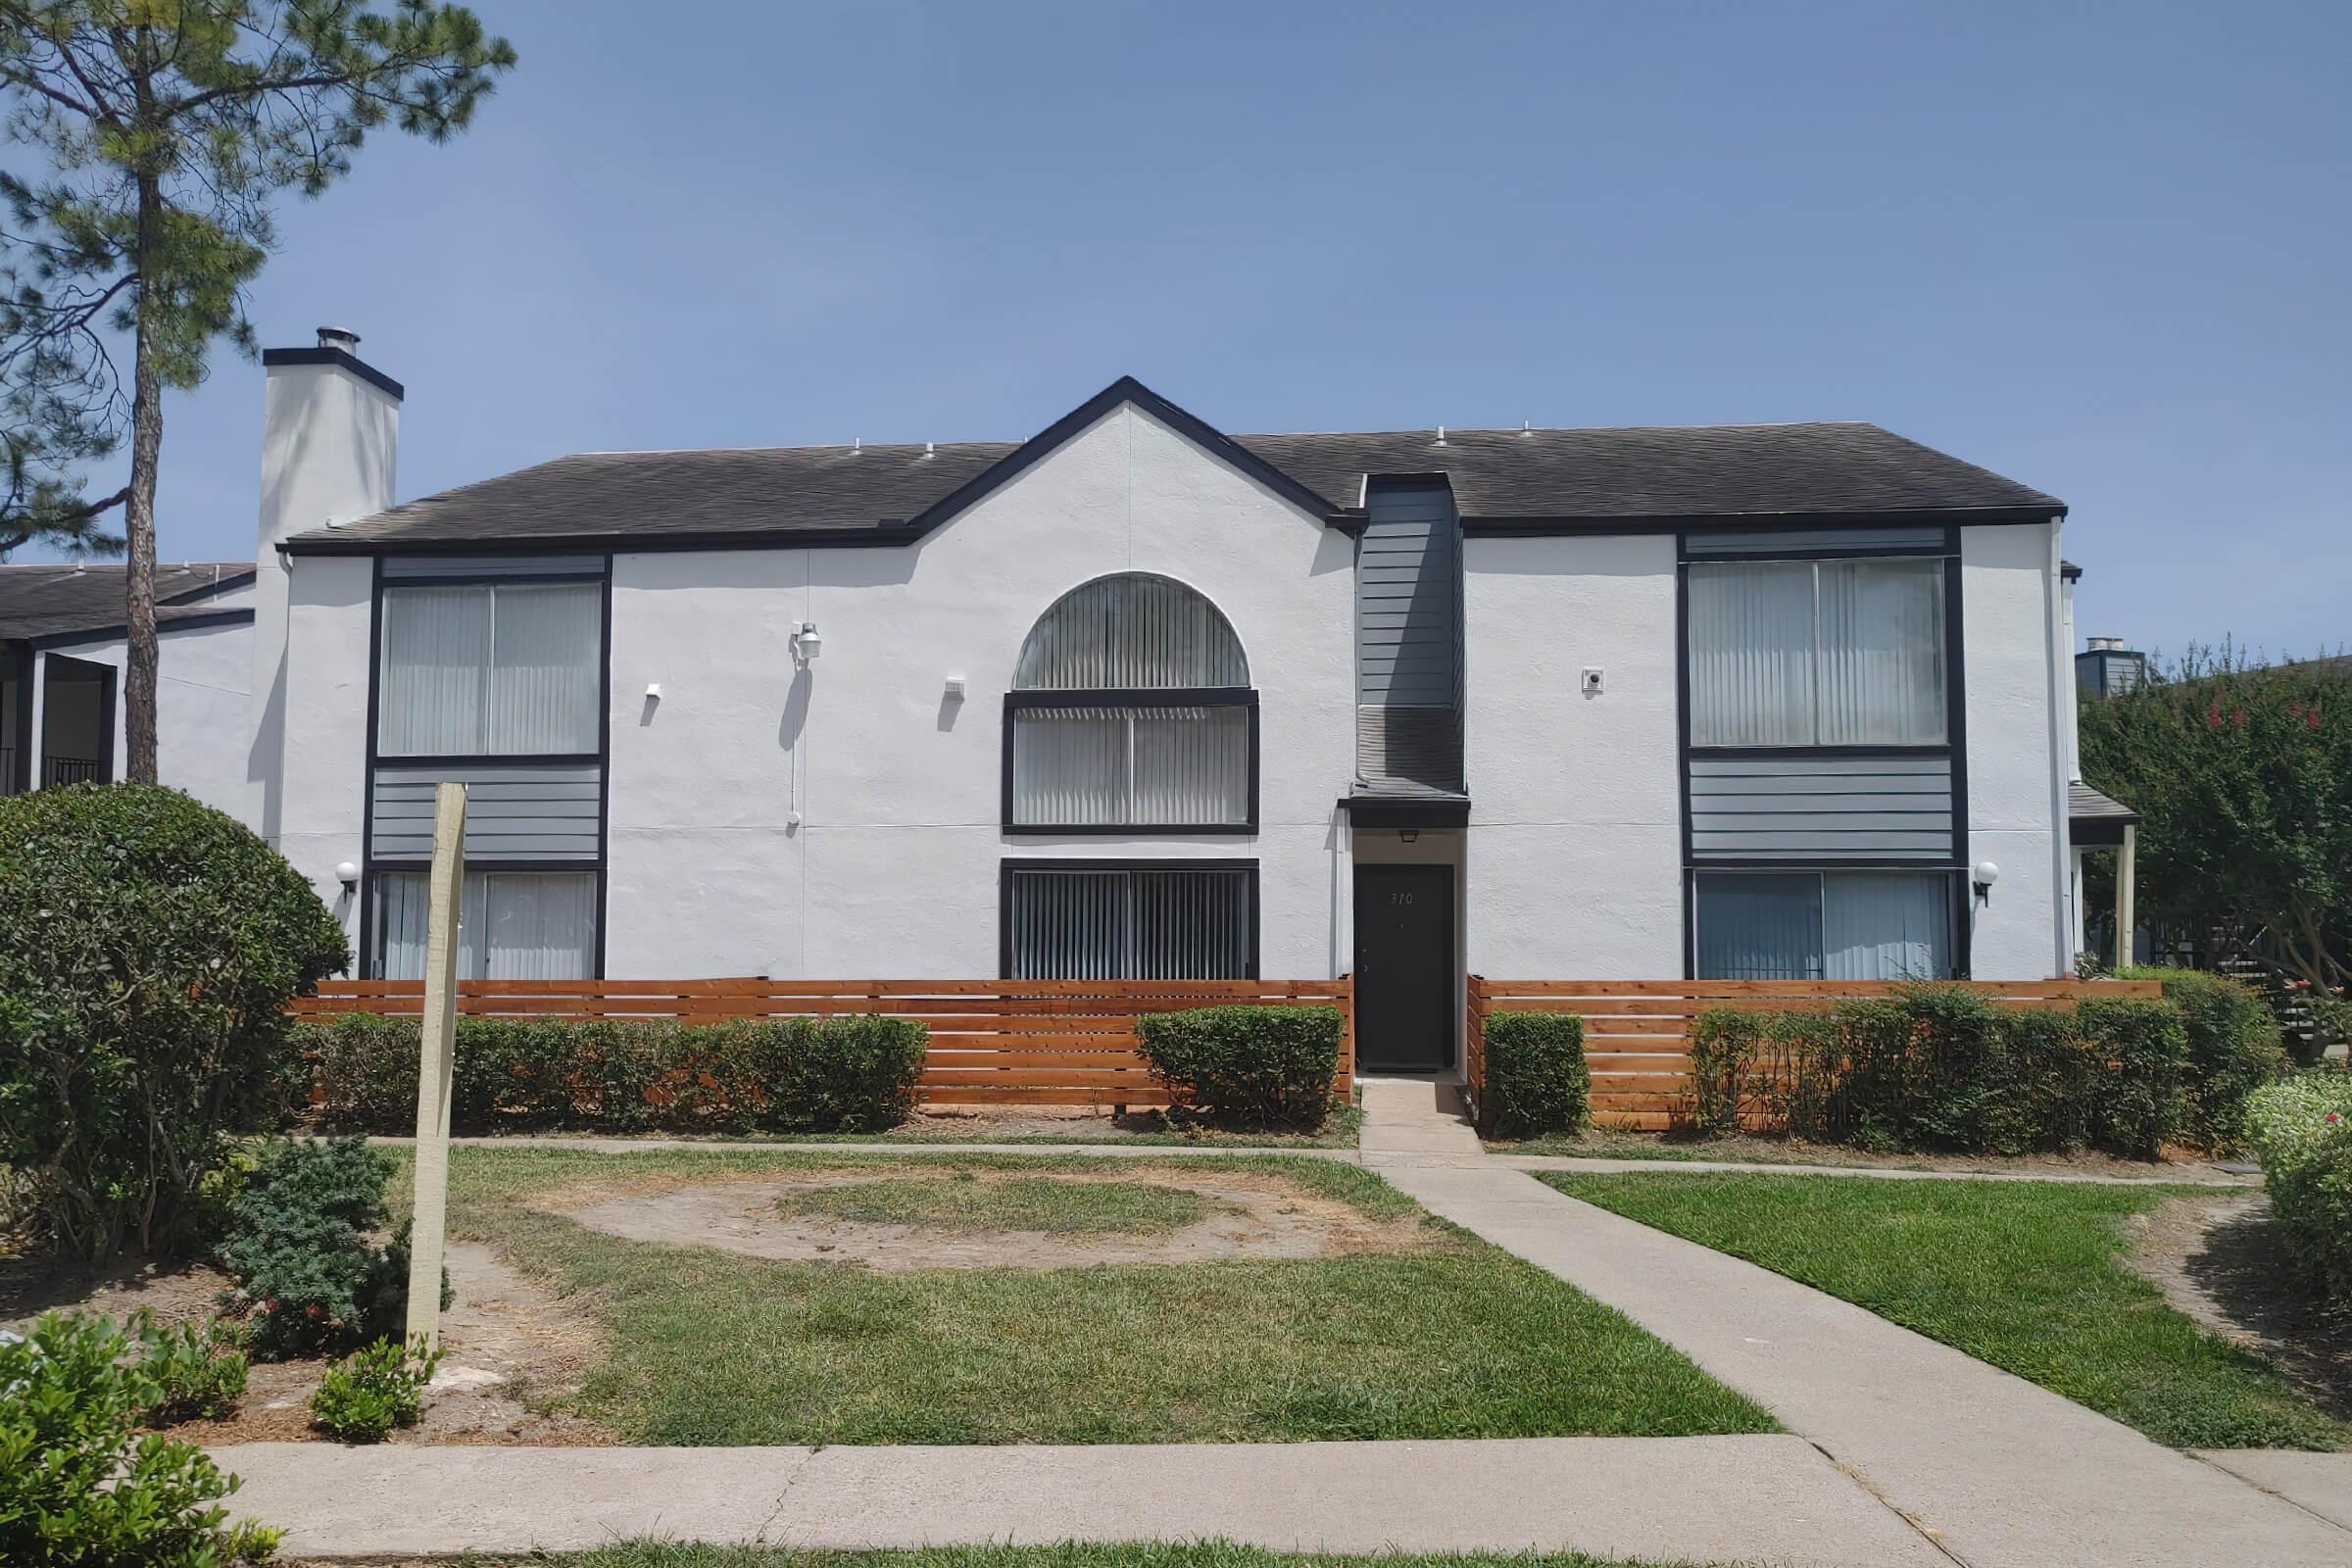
2087	805
53	601
841	494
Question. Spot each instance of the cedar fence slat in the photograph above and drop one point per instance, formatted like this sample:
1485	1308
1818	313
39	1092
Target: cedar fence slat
1638	1032
993	1042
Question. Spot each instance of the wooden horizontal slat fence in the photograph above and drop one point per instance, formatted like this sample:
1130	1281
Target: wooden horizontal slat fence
993	1042
1638	1032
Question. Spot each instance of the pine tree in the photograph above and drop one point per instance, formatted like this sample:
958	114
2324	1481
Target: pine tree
168	128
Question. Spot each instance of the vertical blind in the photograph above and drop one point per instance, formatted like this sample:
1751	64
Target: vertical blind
1136	766
1132	631
1836	925
1128	925
490	669
512	925
1830	653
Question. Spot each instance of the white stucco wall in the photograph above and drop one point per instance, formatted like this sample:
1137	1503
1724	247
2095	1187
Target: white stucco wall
201	706
1576	821
2012	620
893	870
328	609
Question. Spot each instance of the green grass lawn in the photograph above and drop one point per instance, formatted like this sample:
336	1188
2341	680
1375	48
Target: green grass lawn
1439	1336
2029	1276
971	1201
1071	1554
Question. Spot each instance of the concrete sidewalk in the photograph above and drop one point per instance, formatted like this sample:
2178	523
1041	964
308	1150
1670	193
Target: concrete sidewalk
1685	1499
2003	1474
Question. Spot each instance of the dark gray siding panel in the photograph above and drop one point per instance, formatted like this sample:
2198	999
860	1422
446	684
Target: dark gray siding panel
423	569
511	812
1780	541
1407	593
1821	807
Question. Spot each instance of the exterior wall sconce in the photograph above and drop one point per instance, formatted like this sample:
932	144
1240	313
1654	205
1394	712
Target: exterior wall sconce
806	643
347	874
1985	875
1410	835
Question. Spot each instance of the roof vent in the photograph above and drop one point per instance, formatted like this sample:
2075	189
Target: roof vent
2103	645
341	339
1441	435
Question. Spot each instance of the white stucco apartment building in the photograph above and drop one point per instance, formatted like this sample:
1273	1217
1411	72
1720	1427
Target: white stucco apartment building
1137	696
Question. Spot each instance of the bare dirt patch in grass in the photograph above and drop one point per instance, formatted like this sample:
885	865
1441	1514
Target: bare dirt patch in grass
1249	1215
2223	1262
511	1346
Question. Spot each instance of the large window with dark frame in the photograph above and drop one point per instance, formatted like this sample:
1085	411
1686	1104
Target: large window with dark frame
1131	711
1148	921
1817	653
1824	925
512	925
490	669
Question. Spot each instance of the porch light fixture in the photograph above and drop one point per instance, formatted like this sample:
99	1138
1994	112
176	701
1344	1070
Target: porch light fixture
347	874
806	643
1985	875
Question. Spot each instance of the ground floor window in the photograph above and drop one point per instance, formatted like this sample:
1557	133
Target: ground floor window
1092	920
1823	925
513	925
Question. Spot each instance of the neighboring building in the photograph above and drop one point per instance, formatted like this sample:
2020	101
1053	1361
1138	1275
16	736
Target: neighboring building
62	657
1139	698
2107	669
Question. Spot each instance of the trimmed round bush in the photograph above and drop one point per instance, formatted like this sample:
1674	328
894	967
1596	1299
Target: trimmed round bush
2301	1130
1537	1078
148	947
1254	1066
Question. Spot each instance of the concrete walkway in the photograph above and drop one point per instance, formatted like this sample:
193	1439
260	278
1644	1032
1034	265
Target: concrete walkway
1999	1472
1687	1499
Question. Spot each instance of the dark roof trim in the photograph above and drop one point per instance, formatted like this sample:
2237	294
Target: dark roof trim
206	618
626	544
2069	571
1743	521
349	362
1406	810
1126	389
202	591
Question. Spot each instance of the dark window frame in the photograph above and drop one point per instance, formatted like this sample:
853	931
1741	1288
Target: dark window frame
1018	701
1012	867
369	961
1958	910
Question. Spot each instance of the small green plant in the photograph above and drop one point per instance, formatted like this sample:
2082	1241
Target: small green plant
2301	1130
199	1368
300	1253
366	1394
80	1485
1537	1078
1254	1066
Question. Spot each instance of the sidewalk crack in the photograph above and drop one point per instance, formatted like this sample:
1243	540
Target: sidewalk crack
792	1479
1917	1526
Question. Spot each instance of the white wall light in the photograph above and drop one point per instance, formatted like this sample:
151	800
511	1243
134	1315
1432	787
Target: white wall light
1985	875
347	874
806	643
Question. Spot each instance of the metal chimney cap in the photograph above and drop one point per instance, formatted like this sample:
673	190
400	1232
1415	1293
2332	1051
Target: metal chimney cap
339	337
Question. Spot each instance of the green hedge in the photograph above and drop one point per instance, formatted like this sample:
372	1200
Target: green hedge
1537	1079
2234	1047
1254	1066
2301	1130
1942	1067
358	1073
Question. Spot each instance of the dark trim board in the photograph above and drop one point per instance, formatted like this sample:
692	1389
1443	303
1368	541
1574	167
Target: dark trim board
1006	867
496	759
2095	832
1016	702
163	628
1748	522
1408	811
336	357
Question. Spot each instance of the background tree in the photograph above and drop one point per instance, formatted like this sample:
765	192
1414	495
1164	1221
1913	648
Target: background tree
168	127
2243	774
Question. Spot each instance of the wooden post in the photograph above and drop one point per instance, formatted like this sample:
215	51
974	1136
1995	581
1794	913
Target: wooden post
429	1231
2125	918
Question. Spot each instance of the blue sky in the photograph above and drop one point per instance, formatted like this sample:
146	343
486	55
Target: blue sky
2100	248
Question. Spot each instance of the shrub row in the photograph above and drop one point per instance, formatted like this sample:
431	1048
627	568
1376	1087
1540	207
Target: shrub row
358	1073
2234	1047
1942	1067
1537	1081
1251	1065
2301	1130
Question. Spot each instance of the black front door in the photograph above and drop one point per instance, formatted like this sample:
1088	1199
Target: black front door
1404	968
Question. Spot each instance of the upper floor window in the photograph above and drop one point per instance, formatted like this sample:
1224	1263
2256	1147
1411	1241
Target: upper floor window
490	669
1131	708
1817	653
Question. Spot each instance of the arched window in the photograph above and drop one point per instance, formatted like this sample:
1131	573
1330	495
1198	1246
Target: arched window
1131	712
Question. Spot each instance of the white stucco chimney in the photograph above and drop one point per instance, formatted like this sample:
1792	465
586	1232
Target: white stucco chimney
330	447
